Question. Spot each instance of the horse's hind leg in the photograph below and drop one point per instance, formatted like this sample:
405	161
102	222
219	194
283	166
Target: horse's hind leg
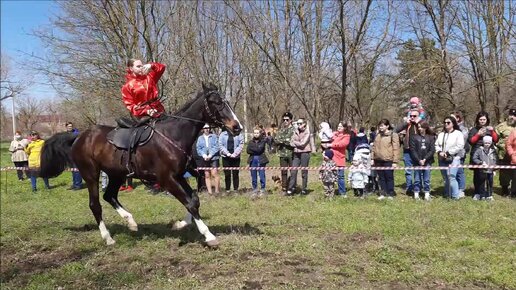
184	193
91	176
111	196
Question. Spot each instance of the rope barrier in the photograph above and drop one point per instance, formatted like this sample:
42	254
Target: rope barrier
317	168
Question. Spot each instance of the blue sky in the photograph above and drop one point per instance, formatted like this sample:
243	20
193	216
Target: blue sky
18	19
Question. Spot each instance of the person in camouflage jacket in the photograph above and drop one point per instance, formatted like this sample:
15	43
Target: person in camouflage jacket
285	150
503	130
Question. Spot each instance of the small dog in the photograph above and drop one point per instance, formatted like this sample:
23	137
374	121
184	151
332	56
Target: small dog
276	179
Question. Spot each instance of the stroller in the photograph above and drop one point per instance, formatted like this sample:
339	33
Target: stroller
364	151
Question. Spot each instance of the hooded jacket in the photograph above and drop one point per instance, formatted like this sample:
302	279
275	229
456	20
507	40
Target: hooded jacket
338	146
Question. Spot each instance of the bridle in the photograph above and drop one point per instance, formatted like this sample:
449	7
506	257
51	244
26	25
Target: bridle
208	111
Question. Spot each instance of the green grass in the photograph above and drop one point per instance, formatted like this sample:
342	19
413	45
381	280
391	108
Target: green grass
50	240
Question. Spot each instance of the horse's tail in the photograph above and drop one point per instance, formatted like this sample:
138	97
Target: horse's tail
56	154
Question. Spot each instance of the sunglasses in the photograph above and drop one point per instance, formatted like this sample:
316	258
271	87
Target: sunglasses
286	120
447	122
413	116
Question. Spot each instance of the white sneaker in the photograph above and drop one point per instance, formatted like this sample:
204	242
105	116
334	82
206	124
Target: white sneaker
427	195
489	198
462	194
476	197
381	197
416	195
390	198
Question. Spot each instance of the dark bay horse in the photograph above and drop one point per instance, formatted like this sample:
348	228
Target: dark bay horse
163	159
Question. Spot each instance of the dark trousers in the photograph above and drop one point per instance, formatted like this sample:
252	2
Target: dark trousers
231	162
507	179
358	191
285	162
20	172
485	183
385	177
201	183
478	181
301	160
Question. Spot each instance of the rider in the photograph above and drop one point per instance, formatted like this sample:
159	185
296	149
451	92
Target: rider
140	91
140	95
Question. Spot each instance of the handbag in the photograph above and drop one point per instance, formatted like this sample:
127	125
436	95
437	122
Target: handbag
449	157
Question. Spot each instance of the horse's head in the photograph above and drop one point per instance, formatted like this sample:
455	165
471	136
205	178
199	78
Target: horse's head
219	111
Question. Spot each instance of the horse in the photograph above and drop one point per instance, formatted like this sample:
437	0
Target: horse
162	160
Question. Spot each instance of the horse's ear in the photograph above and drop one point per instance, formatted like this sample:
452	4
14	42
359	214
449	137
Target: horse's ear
209	87
213	87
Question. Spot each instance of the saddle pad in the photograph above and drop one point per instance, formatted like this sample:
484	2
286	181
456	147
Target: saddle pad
121	137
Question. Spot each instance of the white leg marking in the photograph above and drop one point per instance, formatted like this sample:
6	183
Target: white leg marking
181	224
129	217
104	233
203	229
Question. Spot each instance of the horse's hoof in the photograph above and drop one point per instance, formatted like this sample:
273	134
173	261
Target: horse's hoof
110	242
213	244
133	228
178	225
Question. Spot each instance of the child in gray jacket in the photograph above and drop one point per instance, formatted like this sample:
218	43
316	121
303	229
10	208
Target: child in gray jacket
486	156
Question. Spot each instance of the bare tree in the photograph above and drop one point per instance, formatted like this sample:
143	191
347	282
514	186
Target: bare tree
29	111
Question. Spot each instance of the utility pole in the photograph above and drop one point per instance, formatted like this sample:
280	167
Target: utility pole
13	115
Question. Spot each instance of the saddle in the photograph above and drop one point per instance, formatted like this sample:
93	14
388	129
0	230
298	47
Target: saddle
130	134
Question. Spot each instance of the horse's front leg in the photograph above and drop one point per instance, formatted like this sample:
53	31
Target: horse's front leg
185	222
184	193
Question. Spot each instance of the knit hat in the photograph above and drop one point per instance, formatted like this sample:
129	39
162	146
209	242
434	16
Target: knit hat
328	153
414	100
487	139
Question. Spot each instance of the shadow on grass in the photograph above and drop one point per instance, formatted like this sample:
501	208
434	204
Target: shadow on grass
157	231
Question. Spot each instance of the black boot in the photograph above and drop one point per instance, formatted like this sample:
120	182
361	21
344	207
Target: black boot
132	143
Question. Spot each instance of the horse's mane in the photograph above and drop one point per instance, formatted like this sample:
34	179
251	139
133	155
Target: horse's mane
206	88
189	103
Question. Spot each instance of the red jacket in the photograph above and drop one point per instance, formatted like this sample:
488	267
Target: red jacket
510	145
338	146
140	89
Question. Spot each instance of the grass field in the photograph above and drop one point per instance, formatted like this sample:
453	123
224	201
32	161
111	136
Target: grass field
49	240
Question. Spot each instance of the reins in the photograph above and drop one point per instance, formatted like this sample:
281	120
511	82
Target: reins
206	107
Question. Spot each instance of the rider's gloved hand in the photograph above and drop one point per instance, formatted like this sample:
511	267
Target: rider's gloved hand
152	112
146	69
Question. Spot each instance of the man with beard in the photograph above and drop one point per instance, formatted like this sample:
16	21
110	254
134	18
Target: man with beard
503	130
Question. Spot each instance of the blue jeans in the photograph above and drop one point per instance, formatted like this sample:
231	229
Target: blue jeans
76	179
33	177
450	181
255	162
341	181
461	177
408	172
422	180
